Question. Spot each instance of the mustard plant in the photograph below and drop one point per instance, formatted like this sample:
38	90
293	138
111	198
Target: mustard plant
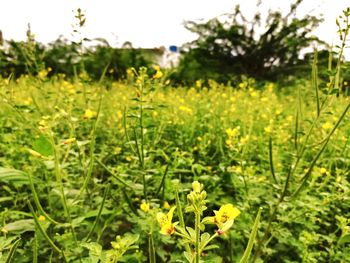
194	238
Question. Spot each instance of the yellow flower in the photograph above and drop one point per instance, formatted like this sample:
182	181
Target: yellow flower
166	205
145	207
35	153
158	75
225	216
268	129
117	150
167	227
196	186
185	109
233	132
198	83
69	141
89	114
327	126
241	85
41	218
323	170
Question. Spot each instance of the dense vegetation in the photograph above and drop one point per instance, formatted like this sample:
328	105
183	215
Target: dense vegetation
135	170
70	156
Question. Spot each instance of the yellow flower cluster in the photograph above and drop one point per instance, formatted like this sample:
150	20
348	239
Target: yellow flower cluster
232	133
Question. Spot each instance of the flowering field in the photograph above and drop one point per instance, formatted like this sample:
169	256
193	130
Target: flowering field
142	172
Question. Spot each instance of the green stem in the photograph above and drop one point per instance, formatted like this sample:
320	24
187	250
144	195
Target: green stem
197	245
181	218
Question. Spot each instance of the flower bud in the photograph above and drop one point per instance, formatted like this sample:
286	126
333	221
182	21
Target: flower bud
196	186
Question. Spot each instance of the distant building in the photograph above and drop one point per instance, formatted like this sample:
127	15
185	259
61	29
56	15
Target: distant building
165	58
170	57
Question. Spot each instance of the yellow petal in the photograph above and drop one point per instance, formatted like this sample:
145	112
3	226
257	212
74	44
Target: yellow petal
170	214
162	218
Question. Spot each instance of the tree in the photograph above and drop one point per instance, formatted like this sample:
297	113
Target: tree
230	46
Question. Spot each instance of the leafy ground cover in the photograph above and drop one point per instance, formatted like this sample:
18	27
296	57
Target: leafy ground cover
90	174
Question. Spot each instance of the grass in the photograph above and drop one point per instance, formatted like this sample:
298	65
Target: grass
78	161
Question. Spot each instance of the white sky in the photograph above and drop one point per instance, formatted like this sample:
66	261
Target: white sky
151	23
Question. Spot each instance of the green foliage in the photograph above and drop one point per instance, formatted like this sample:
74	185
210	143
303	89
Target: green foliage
230	46
86	172
67	58
94	158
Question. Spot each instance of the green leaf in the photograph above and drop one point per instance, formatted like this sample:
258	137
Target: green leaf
43	146
210	247
249	247
188	256
19	226
5	242
95	251
192	233
204	239
9	175
344	239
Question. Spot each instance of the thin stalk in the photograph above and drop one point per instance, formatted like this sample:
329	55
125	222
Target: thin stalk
92	149
37	202
271	161
151	250
308	173
99	212
197	231
126	132
12	252
45	235
163	179
181	218
272	216
142	167
252	236
35	249
119	179
61	188
296	130
314	81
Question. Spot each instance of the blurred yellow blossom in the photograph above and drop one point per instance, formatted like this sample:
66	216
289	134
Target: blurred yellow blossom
323	170
166	205
198	83
327	126
145	207
89	114
185	109
232	132
35	153
158	73
117	150
69	141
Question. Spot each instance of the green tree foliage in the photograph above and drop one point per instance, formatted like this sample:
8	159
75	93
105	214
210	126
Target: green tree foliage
69	58
231	45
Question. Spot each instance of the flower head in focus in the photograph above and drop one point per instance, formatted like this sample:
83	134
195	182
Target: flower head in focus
167	227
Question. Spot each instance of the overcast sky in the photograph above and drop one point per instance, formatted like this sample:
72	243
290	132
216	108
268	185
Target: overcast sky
145	23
